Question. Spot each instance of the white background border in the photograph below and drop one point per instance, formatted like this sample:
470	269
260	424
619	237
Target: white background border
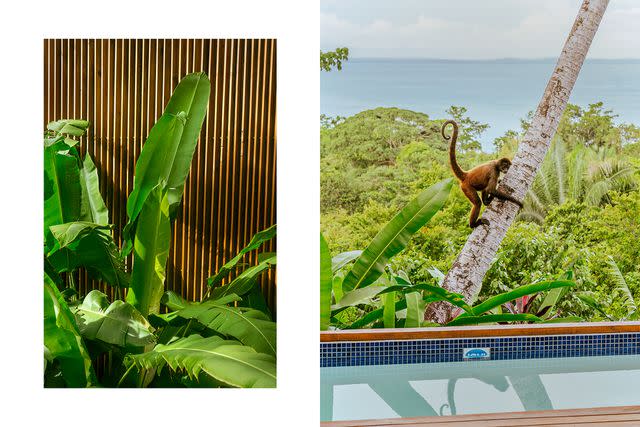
295	24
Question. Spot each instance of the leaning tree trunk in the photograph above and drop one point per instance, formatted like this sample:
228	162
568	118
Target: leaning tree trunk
466	273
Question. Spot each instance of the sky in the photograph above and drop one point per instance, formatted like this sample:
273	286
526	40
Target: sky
468	29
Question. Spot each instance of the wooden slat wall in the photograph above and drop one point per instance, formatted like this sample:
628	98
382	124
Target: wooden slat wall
121	86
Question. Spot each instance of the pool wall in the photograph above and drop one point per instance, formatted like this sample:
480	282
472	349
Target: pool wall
432	345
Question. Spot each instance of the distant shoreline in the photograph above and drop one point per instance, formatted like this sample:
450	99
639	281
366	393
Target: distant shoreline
498	60
497	92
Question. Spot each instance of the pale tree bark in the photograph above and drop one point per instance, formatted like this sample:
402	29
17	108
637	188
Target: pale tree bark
468	270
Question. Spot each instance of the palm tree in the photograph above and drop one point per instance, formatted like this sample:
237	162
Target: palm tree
468	270
583	175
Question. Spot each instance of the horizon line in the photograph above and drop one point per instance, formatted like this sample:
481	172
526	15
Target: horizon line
506	58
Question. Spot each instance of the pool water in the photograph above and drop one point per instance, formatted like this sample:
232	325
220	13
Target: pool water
413	390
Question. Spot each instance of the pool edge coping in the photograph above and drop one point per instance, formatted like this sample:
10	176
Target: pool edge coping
507	417
479	331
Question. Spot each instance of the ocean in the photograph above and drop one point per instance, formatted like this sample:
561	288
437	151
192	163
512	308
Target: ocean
497	92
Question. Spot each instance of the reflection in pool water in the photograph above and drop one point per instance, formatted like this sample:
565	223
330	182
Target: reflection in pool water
390	391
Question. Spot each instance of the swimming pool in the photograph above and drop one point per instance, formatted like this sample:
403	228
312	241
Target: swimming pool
478	386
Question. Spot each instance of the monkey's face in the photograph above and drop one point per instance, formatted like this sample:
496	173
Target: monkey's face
504	165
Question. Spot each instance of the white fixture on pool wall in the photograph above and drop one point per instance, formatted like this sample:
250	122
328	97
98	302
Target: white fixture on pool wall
476	353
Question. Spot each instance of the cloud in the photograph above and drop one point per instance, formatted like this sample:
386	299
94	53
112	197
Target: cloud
474	30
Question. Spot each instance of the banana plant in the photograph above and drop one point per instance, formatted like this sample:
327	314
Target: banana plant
160	174
365	268
197	327
226	362
482	312
65	353
395	302
370	283
229	339
76	229
166	156
394	236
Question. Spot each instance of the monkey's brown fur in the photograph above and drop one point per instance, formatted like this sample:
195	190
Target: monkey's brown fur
482	178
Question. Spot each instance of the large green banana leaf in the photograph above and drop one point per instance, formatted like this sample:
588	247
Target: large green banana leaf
326	280
228	362
243	284
118	323
255	299
376	314
62	189
256	241
342	259
62	340
415	310
356	297
151	250
389	310
589	299
175	302
61	129
395	235
93	208
250	327
73	127
85	244
167	153
500	299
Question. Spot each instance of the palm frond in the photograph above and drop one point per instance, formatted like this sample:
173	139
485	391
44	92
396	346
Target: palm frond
622	289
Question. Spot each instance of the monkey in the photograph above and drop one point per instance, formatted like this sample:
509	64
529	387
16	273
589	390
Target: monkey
482	178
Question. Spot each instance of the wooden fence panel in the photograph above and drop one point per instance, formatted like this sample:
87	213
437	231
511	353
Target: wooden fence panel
121	86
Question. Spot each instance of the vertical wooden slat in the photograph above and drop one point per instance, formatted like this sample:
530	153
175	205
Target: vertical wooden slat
121	86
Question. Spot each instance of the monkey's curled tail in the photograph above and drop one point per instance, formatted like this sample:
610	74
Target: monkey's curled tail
457	170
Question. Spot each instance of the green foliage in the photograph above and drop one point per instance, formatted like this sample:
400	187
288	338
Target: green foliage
375	295
582	209
166	156
583	175
470	130
62	189
394	236
87	245
326	276
365	279
595	127
382	157
249	326
333	59
227	362
211	343
118	324
256	242
328	122
494	318
498	300
92	205
245	282
63	344
65	130
150	254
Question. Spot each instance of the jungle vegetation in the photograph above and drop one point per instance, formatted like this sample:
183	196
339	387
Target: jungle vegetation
580	222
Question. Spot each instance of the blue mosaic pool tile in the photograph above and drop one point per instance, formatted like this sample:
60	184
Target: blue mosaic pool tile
502	348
